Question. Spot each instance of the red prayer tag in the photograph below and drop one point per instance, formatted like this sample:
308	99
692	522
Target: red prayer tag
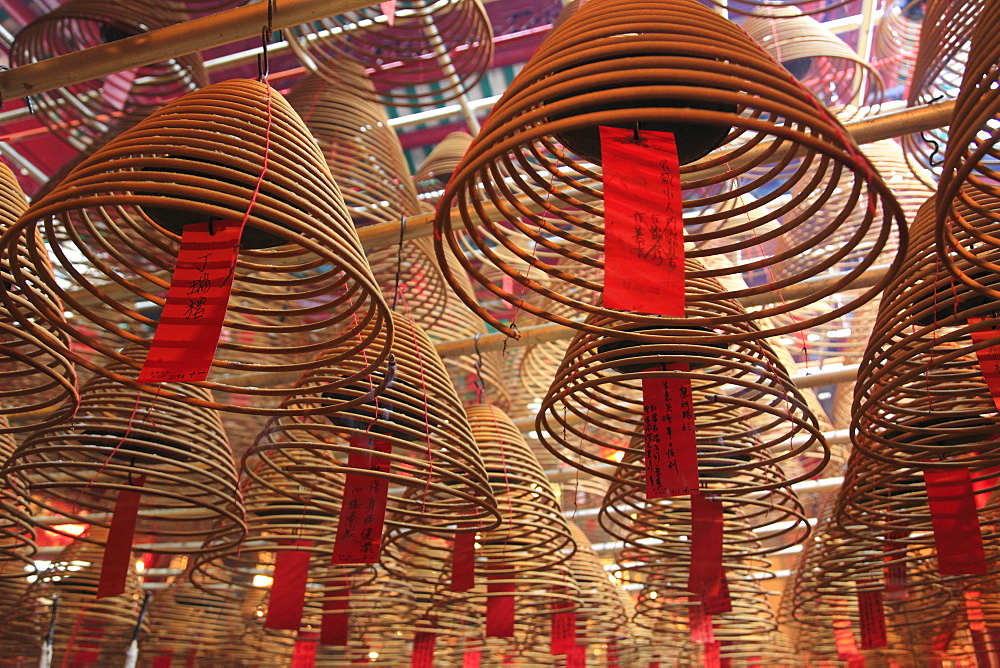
989	360
699	622
463	562
957	535
389	9
576	657
500	605
362	513
188	332
563	635
712	655
334	628
643	225
706	576
423	650
304	654
163	660
668	427
872	619
117	88
288	589
472	659
894	571
118	549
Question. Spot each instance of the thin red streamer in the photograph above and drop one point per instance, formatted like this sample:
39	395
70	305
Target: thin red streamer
118	549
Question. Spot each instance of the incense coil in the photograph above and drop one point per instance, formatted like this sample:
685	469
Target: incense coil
23	625
897	37
600	382
17	534
410	405
175	454
361	149
441	46
439	166
968	243
817	57
137	192
33	375
920	398
411	279
558	96
601	618
187	622
946	32
80	113
103	626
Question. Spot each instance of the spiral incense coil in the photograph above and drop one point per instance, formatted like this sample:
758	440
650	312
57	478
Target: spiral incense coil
436	473
600	382
921	399
23	623
817	57
971	162
17	535
86	624
439	166
362	151
81	113
185	621
33	374
175	454
667	66
601	618
897	37
440	47
301	282
942	57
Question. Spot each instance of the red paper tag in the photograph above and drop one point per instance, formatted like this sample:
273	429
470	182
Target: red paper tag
957	536
706	576
472	659
163	660
872	619
989	360
500	605
563	636
188	332
288	590
117	88
612	654
894	559
576	657
643	227
671	445
423	650
118	549
304	654
362	516
334	628
463	562
712	655
699	623
389	9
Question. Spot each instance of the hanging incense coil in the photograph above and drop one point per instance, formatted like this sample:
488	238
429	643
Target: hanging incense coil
435	471
23	622
17	535
187	622
439	166
34	376
921	399
441	48
817	57
301	281
361	149
971	162
81	113
635	64
945	36
897	37
601	618
87	628
174	453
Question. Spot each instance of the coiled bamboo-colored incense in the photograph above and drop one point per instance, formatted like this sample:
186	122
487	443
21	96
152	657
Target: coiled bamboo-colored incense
668	66
17	534
896	40
33	373
79	114
301	283
435	51
439	166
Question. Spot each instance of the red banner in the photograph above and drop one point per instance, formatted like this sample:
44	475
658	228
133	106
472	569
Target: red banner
957	535
188	332
304	654
472	659
500	605
563	633
706	576
699	622
668	426
288	590
362	516
713	658
576	657
118	549
423	650
463	562
872	619
335	625
894	571
643	224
